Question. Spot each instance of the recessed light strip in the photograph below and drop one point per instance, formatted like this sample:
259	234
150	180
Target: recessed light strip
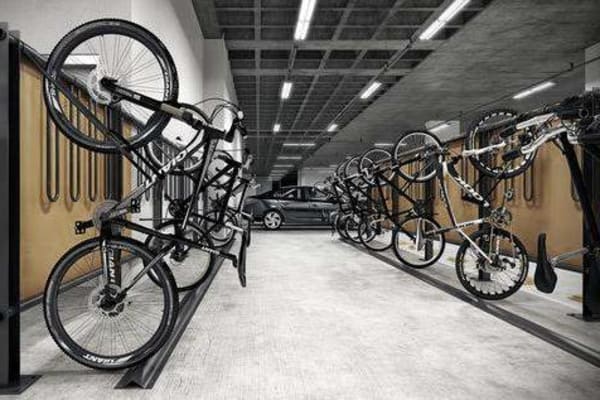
534	89
370	90
286	90
383	144
290	144
289	157
443	19
305	15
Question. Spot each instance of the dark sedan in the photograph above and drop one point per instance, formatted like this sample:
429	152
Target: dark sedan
294	205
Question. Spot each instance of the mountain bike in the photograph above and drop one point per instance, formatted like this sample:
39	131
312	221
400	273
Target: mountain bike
111	301
573	121
492	262
377	230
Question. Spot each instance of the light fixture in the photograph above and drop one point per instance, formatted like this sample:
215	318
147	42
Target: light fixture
443	19
304	17
534	89
289	157
439	127
283	165
290	144
370	90
286	90
383	144
276	128
332	127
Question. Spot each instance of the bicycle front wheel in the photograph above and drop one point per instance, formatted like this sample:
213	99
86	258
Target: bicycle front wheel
125	53
375	232
501	277
417	243
100	325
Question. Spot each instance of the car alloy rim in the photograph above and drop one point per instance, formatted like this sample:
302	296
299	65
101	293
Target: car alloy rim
272	220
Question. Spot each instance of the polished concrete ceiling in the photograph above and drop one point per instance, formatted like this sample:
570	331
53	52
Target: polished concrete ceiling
490	50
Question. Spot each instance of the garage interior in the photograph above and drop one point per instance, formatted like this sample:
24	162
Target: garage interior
297	301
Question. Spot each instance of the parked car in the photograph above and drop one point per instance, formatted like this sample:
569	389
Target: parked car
293	205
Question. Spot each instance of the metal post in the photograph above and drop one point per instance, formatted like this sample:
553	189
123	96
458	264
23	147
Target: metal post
587	181
11	380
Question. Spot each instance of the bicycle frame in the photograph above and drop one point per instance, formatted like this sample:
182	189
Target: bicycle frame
447	169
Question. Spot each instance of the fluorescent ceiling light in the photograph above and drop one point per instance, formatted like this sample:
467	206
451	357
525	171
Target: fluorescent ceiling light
439	127
276	128
289	157
298	144
534	89
304	17
283	165
332	127
443	19
82	60
286	90
332	165
370	90
383	144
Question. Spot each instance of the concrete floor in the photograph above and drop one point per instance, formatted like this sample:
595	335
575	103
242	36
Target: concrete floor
322	320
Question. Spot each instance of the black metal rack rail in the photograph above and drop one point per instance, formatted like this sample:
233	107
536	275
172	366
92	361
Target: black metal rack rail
11	380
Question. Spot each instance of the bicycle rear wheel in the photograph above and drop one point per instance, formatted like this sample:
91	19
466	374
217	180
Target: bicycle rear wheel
418	155
492	164
190	267
97	324
118	50
374	160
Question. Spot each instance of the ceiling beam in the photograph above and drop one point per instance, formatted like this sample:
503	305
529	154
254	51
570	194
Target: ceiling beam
331	44
321	72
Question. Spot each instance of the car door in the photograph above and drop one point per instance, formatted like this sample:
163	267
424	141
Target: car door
321	205
293	206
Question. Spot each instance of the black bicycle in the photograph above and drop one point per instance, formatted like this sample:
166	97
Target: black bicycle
111	301
509	141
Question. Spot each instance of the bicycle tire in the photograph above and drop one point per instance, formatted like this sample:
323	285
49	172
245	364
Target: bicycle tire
430	140
470	144
466	282
58	330
185	280
101	27
403	256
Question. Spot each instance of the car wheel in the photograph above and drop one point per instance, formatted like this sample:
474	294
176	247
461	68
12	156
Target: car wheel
272	220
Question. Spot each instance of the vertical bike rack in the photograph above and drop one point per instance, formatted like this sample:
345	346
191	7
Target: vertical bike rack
11	380
591	272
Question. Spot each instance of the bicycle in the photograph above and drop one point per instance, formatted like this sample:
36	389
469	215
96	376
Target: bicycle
491	263
573	121
110	301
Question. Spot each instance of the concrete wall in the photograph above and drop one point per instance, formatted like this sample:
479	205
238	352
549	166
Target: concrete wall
43	22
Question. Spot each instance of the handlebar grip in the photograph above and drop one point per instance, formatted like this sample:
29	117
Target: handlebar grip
511	155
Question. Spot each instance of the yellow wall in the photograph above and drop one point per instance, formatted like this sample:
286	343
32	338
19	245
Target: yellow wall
47	229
